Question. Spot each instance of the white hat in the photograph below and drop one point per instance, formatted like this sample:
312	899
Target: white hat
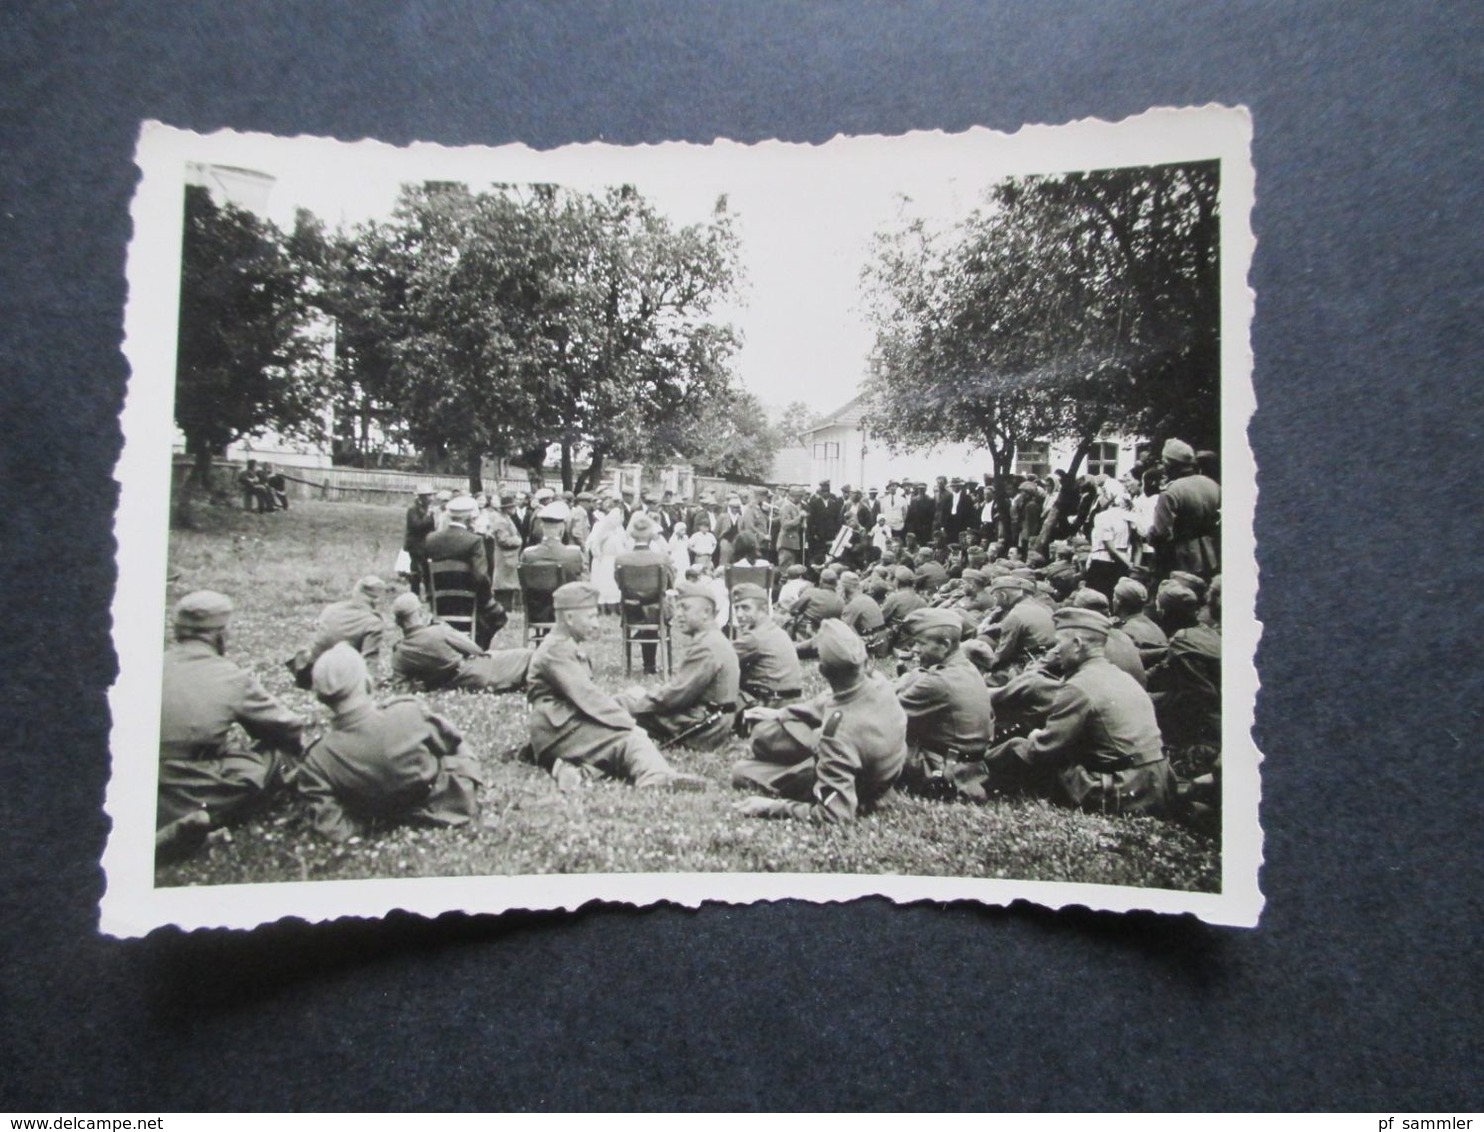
554	512
462	505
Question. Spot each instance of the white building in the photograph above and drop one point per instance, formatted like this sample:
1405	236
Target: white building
839	448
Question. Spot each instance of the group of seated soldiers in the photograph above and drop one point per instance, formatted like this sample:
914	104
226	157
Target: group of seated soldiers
1009	680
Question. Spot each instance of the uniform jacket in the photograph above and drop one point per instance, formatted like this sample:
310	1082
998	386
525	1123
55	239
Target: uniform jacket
203	694
790	526
1026	631
755	521
706	677
386	762
569	712
767	659
897	605
1149	638
948	707
1187	526
353	621
816	605
858	753
863	615
1100	721
1187	687
569	558
439	656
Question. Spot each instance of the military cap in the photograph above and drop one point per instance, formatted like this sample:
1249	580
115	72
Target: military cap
462	505
973	575
905	574
574	595
1024	572
839	645
204	609
930	620
1075	618
406	605
554	512
1177	452
1130	590
371	586
1173	595
641	527
1087	598
695	589
828	577
338	672
424	488
1193	582
749	591
1012	582
796	571
850	578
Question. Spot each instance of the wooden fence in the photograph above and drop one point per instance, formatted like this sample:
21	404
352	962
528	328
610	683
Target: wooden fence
356	485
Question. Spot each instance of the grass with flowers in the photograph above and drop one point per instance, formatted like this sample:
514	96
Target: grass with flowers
282	568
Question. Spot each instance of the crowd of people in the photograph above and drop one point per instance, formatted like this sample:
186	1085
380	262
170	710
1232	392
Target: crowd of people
959	663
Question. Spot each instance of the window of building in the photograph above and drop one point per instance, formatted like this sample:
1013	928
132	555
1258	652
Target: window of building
1102	459
1033	459
827	451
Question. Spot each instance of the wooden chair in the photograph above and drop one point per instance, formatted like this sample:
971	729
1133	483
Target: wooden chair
741	575
644	618
538	581
452	596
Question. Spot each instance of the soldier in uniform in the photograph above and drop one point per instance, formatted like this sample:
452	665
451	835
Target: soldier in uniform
1119	648
577	730
1129	599
695	707
504	544
1100	749
354	621
950	718
862	615
768	668
817	604
1186	684
829	759
1186	529
207	778
438	656
551	520
457	542
1025	629
790	530
900	603
395	762
641	531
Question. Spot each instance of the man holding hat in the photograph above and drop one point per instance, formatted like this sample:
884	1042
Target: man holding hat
396	762
457	542
1100	750
577	730
438	656
421	521
950	717
827	760
1186	530
695	707
207	778
768	669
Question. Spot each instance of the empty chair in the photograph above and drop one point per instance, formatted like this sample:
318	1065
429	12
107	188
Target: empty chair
643	617
538	581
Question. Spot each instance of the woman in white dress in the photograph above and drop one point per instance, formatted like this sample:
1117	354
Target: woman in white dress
679	550
606	542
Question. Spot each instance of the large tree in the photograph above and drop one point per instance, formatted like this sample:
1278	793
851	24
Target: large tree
1069	306
246	359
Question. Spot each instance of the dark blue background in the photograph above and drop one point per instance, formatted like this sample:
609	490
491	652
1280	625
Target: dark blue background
1362	986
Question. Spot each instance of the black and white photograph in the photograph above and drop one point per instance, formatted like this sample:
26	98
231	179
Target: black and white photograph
515	529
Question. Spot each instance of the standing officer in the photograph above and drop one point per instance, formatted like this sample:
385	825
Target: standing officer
827	760
577	730
396	762
695	706
1186	529
207	778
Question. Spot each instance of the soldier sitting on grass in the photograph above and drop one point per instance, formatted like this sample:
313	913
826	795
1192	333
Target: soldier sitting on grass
396	762
827	760
437	655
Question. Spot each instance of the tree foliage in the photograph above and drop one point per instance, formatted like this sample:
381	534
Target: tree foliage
1068	306
246	359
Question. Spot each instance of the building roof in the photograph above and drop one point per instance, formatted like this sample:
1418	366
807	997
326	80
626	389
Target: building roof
848	415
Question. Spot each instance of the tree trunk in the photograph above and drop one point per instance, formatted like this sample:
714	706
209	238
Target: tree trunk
594	472
1066	499
476	472
566	466
201	471
1001	459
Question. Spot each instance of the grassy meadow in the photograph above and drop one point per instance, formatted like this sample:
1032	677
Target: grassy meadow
282	568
